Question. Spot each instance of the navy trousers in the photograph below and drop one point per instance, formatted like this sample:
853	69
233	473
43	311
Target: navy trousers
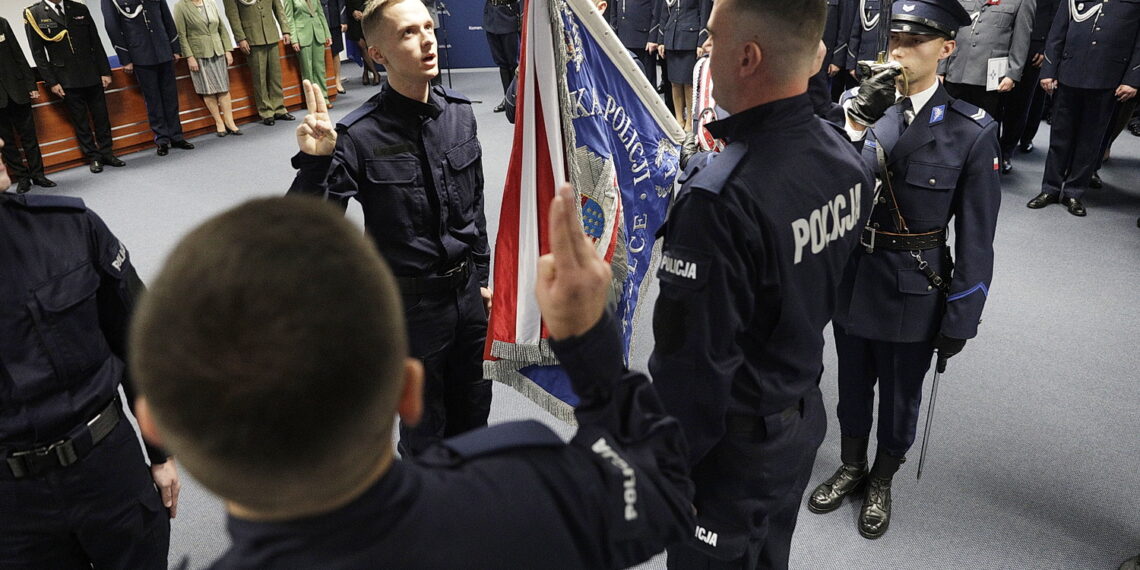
160	92
505	53
899	369
103	511
1080	119
749	489
446	332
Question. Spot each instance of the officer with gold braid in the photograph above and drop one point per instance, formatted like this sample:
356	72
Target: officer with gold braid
65	45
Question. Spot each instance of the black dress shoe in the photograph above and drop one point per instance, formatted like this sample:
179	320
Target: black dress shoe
284	117
875	515
502	107
1006	166
829	495
96	166
1074	206
24	185
268	121
43	182
182	144
163	149
113	161
222	133
1027	147
1095	181
1043	199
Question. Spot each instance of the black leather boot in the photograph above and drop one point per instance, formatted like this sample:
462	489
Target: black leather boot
875	516
848	479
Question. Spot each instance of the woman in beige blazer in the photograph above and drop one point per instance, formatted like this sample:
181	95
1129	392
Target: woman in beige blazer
206	45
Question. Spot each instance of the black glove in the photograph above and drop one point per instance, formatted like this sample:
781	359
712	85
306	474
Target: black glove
876	92
689	149
947	347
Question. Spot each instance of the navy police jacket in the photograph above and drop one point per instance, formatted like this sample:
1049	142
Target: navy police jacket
634	21
513	495
863	43
753	253
67	290
1095	47
504	19
142	31
416	170
681	24
943	167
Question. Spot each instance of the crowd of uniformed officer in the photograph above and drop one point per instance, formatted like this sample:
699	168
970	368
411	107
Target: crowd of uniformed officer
738	329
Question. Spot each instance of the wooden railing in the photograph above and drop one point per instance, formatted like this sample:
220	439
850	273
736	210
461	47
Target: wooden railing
129	127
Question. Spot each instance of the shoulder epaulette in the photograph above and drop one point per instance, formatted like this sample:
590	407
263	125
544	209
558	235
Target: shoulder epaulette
359	113
977	114
848	94
40	201
451	95
495	439
712	177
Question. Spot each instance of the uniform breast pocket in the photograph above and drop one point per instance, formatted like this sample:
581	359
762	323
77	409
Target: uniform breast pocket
396	192
464	173
67	320
1002	16
915	282
931	186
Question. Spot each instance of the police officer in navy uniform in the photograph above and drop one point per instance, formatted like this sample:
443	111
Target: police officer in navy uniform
1024	105
17	90
70	59
501	22
1092	60
75	490
863	43
144	36
411	157
635	23
302	451
902	298
753	252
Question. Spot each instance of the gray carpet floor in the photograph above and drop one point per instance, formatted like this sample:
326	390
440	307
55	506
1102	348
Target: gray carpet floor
1035	454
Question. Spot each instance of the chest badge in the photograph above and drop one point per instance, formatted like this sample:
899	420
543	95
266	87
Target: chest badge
937	114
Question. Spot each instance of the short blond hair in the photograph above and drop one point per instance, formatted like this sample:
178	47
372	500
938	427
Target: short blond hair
374	15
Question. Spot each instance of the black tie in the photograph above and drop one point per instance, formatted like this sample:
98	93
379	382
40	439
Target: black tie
58	9
907	109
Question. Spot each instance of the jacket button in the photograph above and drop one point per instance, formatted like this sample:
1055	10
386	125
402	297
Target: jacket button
1094	42
928	287
933	182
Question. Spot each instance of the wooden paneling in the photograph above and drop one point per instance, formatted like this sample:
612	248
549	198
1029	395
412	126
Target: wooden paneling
129	125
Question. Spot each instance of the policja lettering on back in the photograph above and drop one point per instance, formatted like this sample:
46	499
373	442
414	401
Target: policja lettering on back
813	229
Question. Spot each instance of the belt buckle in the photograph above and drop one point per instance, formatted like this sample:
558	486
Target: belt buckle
457	269
862	239
63	450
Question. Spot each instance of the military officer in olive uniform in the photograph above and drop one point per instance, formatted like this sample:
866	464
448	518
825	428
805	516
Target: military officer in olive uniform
17	90
70	59
255	24
1092	60
902	297
146	39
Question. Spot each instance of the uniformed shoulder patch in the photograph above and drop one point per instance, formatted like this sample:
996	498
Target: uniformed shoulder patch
359	113
452	95
972	112
683	267
713	176
848	94
489	441
40	201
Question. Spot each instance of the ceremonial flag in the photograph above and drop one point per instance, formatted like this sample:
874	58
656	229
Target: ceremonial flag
585	114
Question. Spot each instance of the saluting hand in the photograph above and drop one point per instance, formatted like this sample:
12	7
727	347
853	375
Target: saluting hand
573	280
316	134
165	477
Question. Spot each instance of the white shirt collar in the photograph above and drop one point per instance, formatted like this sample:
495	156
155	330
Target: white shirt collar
58	8
919	100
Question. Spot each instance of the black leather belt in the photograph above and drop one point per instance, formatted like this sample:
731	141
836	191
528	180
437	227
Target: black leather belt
450	280
67	451
755	428
878	239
